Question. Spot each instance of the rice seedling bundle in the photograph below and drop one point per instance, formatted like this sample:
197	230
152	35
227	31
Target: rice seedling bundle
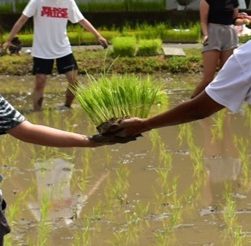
124	46
118	97
149	47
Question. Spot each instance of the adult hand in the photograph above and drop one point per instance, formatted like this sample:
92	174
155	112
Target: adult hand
122	131
132	127
103	42
242	15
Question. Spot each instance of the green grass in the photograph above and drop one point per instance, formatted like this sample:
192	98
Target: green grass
94	61
119	96
149	47
129	46
124	46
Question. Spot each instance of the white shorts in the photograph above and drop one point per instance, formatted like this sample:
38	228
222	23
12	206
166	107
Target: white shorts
232	85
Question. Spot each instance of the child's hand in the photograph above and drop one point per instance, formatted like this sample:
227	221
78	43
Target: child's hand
103	42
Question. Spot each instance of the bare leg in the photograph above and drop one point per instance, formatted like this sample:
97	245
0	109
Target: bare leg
72	82
210	64
224	56
40	82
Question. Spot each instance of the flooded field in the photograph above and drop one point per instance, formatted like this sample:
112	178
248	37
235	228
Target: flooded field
184	185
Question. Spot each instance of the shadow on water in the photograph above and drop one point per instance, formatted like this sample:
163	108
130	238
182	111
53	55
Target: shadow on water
173	181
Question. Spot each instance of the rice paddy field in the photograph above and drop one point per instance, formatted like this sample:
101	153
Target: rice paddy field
181	185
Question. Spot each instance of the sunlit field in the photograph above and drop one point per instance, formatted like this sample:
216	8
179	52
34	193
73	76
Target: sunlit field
182	185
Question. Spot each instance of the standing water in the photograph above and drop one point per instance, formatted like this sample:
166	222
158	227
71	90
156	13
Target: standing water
180	185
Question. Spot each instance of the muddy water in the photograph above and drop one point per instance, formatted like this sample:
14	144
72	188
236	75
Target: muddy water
180	185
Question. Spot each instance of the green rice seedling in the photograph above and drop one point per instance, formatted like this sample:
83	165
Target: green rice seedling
197	157
184	35
247	113
182	133
76	37
119	97
166	166
124	46
134	224
233	229
149	47
164	236
146	31
44	227
163	170
155	139
120	187
89	225
14	208
115	190
217	130
83	237
13	213
186	134
82	180
243	148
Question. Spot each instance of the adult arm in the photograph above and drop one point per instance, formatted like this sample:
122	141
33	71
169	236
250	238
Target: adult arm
15	29
197	108
89	27
204	10
47	136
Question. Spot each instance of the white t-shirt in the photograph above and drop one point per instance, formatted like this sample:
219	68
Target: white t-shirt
50	26
232	85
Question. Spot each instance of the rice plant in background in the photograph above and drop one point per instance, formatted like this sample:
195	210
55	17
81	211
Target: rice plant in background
130	46
117	97
149	47
124	46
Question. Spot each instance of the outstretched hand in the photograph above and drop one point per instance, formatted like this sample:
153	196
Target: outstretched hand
122	131
103	42
132	126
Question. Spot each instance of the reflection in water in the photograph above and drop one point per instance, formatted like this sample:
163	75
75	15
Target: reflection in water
95	214
53	181
220	157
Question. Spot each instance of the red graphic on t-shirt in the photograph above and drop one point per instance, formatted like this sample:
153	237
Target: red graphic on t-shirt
54	12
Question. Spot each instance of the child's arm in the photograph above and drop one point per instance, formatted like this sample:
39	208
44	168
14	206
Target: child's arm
15	29
89	27
47	136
